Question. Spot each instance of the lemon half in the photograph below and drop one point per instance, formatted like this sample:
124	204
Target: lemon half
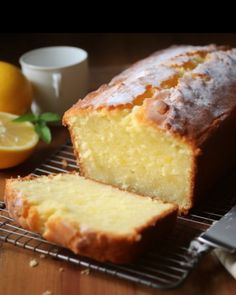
17	140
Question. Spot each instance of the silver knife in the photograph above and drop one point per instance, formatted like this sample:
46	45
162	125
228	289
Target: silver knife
222	234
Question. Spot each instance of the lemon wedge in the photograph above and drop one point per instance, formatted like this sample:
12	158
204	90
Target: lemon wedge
17	140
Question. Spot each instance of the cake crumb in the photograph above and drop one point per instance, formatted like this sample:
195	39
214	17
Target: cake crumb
124	186
42	256
33	263
61	269
85	272
47	292
64	163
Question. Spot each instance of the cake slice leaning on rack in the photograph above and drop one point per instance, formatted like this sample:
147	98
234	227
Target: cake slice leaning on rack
89	218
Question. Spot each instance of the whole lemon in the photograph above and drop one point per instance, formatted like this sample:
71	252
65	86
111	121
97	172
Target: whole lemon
15	90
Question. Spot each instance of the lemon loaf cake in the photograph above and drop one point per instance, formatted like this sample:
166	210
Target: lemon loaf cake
90	218
165	127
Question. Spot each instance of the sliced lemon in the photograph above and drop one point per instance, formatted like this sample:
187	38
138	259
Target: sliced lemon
17	140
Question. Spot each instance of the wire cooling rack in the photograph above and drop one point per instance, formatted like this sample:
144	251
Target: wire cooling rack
165	266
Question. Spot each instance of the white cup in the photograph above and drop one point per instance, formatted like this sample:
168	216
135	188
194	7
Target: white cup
59	76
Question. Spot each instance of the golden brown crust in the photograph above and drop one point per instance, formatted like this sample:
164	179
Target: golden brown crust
107	247
98	245
196	85
76	152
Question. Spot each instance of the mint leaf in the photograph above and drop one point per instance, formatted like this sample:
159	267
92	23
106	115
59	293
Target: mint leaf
26	117
43	131
49	117
40	123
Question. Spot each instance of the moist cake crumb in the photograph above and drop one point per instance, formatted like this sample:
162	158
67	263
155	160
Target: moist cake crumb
42	256
64	163
33	263
85	271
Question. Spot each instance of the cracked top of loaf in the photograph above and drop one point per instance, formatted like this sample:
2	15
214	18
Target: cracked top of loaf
187	90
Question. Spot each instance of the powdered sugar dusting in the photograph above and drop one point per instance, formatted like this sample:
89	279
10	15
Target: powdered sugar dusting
155	60
125	87
197	102
18	199
201	89
125	95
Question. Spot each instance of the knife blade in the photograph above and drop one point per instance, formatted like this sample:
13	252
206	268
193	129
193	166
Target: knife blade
222	234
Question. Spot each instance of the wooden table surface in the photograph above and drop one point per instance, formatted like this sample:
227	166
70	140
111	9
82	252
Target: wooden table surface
17	277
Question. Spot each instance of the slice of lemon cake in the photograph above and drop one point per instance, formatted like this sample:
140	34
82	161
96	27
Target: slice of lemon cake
90	218
164	128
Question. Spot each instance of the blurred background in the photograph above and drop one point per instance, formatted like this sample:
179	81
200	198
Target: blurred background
109	53
107	49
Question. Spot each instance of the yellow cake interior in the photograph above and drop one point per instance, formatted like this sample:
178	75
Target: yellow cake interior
115	147
87	204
